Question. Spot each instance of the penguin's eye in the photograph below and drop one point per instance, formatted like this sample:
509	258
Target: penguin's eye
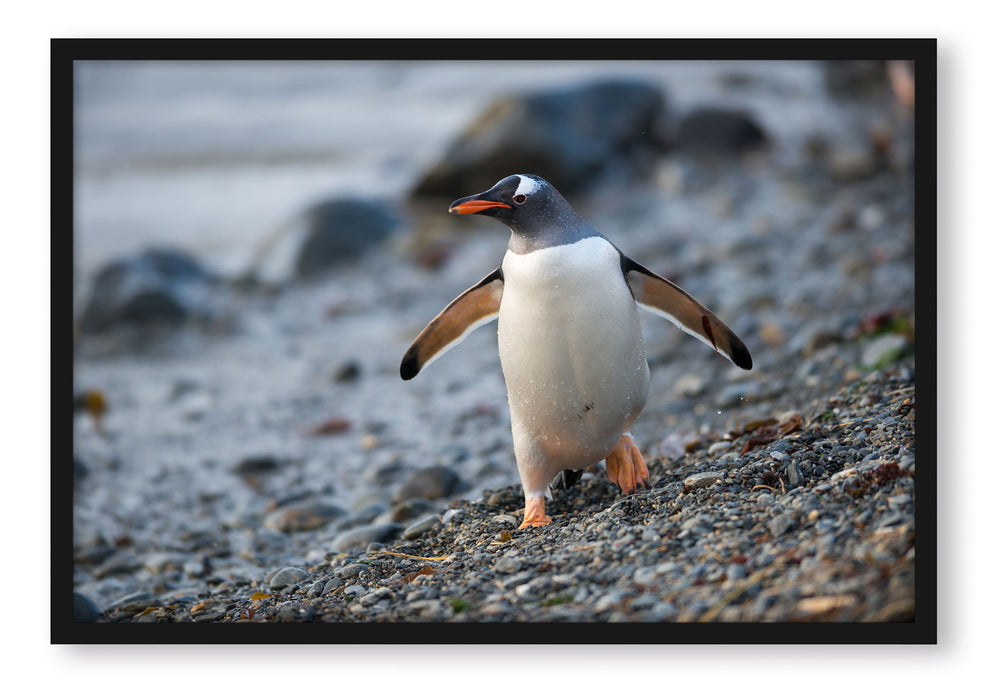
519	198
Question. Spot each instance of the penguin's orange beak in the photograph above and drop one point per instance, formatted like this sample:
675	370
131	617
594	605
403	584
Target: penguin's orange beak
473	206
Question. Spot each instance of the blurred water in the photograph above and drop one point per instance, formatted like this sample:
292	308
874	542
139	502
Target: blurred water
212	156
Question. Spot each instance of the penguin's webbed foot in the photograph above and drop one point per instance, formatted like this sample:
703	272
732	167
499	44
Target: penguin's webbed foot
535	514
625	466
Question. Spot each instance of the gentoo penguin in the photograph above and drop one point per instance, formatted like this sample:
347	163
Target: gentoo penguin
569	337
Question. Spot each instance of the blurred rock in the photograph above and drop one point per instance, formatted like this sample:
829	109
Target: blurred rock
884	350
324	235
420	527
409	509
717	132
303	516
79	469
342	229
855	79
689	385
134	603
568	135
287	576
360	537
385	474
256	466
84	609
154	287
363	515
350	371
430	483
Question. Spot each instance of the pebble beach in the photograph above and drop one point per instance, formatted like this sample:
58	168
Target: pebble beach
260	461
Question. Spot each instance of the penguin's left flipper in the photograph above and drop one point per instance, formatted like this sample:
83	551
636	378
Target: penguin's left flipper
472	309
664	298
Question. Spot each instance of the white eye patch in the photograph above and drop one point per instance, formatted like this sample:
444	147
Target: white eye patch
527	186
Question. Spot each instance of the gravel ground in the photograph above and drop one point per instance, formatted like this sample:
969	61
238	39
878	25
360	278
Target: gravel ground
806	516
269	465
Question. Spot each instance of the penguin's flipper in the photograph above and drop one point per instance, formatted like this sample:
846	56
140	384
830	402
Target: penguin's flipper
473	308
664	298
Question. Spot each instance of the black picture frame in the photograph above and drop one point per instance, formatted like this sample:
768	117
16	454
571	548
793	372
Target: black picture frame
65	51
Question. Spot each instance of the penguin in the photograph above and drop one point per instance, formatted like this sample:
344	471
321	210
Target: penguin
569	337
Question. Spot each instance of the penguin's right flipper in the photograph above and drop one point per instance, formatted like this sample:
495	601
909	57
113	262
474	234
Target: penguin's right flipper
662	297
472	309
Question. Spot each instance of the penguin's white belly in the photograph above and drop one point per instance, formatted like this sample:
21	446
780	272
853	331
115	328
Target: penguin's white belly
572	354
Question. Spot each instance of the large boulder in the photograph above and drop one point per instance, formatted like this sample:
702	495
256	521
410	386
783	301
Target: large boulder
568	135
151	288
718	132
325	234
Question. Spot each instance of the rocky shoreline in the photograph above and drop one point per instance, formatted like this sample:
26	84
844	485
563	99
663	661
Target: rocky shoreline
800	518
244	450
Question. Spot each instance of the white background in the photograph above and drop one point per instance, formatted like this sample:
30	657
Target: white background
34	666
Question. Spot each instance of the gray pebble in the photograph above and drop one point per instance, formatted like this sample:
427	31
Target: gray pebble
288	576
84	609
420	527
508	565
505	520
735	572
359	537
883	350
697	481
135	602
411	509
720	446
117	563
661	612
351	571
303	516
372	597
430	483
781	524
794	475
607	601
449	515
698	525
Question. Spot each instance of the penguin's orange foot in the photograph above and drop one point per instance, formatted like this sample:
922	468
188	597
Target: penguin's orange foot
535	515
625	466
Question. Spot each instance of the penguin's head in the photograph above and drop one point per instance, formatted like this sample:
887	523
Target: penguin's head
527	204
